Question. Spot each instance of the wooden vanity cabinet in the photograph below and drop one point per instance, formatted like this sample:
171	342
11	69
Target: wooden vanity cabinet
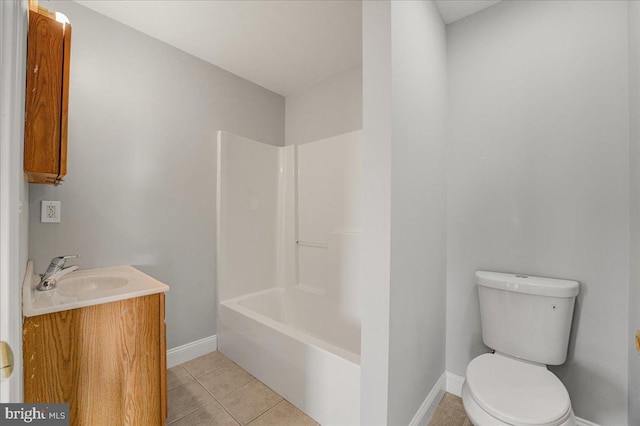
47	98
107	361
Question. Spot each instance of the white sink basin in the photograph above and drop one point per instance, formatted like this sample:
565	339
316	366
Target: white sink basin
87	287
77	285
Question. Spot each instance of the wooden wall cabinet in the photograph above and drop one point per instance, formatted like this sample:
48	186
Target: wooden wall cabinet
107	361
47	99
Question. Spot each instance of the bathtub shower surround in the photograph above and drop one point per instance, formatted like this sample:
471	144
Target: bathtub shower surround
288	257
248	198
316	375
329	200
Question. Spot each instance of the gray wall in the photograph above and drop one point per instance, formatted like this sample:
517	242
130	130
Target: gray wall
376	214
538	178
404	108
418	206
328	108
634	157
143	118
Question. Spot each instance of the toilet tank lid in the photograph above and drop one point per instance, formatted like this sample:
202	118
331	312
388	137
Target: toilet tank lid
528	284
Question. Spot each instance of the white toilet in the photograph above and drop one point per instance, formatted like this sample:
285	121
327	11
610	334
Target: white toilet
526	321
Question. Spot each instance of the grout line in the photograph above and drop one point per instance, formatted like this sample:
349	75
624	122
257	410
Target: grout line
246	384
219	403
190	412
225	408
265	411
230	391
281	399
214	398
205	373
269	409
200	384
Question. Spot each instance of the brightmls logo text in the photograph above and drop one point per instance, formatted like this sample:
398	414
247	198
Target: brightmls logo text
36	414
27	415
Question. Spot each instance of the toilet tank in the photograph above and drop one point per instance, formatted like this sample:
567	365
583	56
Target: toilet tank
527	317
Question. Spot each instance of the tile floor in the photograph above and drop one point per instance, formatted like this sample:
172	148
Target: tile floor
213	390
450	412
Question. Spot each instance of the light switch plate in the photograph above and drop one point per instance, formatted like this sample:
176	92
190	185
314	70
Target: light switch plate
50	212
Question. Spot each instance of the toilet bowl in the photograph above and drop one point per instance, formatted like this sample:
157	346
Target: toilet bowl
500	390
527	322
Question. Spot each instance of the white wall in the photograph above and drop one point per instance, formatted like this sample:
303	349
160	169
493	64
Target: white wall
328	108
634	157
418	206
143	118
23	194
248	189
538	178
403	337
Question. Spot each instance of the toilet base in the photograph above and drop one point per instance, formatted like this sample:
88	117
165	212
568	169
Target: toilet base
479	417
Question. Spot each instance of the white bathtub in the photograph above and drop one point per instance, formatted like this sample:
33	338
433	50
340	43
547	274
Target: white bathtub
299	345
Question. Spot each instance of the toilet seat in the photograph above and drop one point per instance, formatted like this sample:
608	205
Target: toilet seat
517	392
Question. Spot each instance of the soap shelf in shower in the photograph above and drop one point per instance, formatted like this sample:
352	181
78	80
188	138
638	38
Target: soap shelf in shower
312	244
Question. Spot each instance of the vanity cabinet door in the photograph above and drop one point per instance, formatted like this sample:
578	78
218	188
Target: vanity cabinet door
47	99
107	361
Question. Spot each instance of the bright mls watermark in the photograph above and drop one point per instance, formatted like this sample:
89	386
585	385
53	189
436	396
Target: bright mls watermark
34	414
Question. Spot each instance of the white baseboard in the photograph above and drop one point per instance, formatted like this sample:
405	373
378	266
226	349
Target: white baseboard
583	422
454	386
191	350
428	407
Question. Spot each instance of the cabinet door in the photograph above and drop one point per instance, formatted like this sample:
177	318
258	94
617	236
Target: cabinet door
48	53
104	360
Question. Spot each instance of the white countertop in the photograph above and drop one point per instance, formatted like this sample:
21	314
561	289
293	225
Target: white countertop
83	288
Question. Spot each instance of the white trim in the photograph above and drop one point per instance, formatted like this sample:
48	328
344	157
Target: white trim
13	37
191	350
583	422
454	384
428	407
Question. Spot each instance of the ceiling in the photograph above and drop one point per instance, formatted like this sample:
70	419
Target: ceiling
284	46
454	10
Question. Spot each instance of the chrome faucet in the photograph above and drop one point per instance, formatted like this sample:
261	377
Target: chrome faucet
55	271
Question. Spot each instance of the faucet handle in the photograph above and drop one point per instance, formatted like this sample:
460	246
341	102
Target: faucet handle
62	272
60	261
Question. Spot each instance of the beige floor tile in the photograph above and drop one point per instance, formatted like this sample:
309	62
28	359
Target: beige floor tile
249	401
210	415
206	364
284	414
177	376
453	403
224	380
443	418
185	399
450	412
